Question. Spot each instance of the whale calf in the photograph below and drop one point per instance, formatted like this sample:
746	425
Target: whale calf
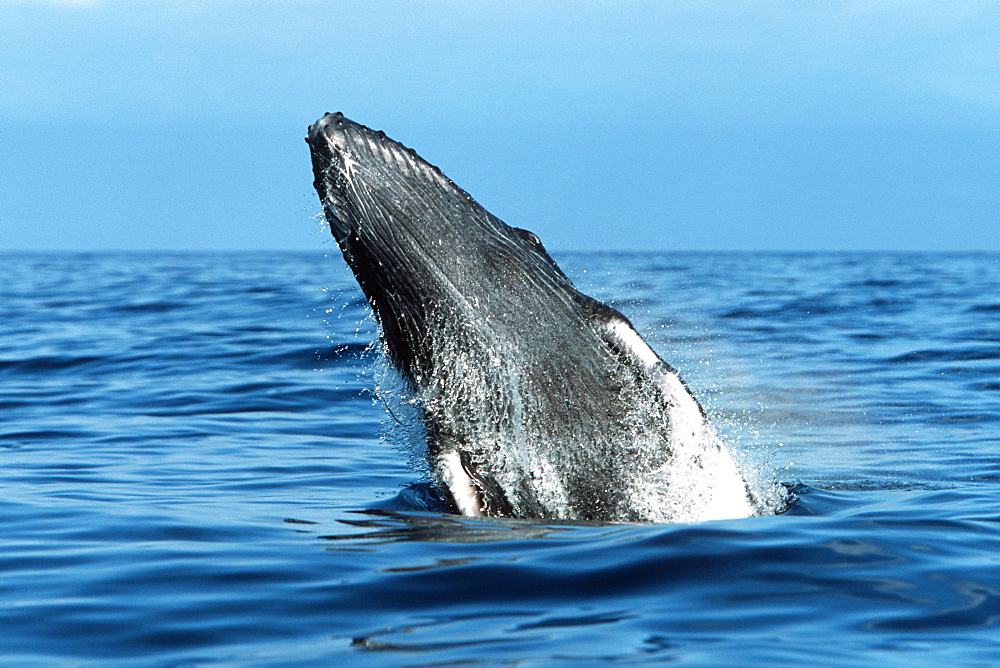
538	401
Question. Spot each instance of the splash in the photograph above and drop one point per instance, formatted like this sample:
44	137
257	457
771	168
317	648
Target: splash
482	407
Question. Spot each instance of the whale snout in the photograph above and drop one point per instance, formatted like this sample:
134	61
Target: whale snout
327	139
325	131
331	158
346	154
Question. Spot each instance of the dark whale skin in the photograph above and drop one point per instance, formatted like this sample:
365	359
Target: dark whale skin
538	400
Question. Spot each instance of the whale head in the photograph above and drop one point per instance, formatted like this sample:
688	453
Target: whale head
361	174
416	241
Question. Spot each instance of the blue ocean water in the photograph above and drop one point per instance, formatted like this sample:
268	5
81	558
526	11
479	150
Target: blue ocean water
191	472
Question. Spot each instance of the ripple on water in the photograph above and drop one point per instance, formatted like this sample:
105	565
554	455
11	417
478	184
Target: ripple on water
180	483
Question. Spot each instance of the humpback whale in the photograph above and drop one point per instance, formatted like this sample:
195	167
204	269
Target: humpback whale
537	400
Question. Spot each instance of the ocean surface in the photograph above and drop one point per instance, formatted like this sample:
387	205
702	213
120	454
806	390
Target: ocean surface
192	473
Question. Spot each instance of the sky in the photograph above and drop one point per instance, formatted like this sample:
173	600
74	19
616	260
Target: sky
727	125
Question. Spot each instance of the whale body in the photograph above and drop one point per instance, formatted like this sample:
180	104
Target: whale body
538	401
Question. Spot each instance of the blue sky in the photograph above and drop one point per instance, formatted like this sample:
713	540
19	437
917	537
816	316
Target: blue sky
624	125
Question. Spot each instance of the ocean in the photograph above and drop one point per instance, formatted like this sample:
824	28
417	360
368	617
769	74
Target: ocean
193	472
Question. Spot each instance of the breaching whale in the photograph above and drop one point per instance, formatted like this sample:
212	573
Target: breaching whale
538	401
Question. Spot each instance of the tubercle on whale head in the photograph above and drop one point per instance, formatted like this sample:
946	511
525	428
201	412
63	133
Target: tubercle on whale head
342	152
345	153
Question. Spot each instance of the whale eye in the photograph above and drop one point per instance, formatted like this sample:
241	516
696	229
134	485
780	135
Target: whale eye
529	237
534	244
